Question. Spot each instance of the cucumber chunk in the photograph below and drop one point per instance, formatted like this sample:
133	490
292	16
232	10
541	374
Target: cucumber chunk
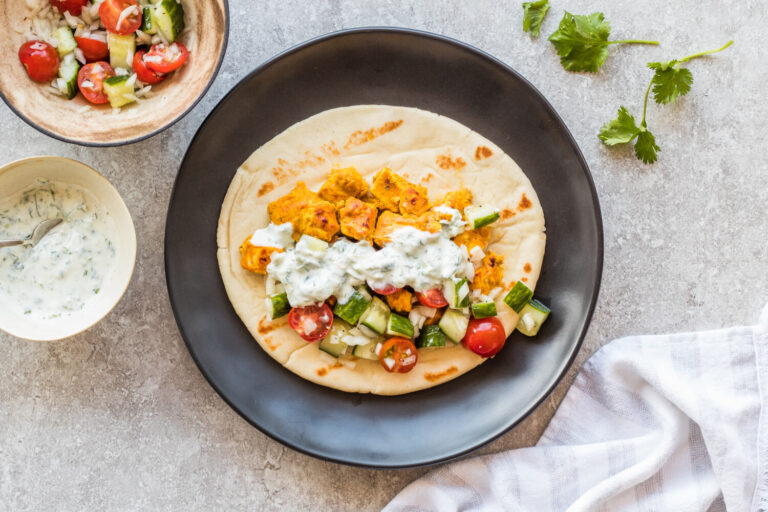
311	243
119	90
148	24
376	316
121	50
481	215
532	316
366	351
169	16
399	325
353	309
65	40
278	305
518	296
456	292
454	324
431	336
333	343
68	70
483	309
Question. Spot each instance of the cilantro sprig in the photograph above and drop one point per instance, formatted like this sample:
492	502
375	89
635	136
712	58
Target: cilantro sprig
582	42
533	15
669	82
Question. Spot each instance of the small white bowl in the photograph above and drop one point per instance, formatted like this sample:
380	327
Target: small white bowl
20	174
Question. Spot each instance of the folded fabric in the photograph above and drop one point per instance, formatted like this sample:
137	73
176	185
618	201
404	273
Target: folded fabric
652	423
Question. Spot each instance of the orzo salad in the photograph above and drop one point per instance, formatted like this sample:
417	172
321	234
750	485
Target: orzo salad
111	51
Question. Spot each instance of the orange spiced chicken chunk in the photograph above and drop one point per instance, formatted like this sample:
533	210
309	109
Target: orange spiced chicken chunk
474	238
458	199
318	219
255	258
490	273
343	184
357	219
398	195
400	301
289	207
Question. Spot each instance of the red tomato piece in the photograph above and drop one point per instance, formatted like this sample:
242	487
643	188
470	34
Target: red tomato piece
398	355
311	322
121	16
40	60
90	81
485	336
93	49
164	58
432	298
143	73
386	290
74	7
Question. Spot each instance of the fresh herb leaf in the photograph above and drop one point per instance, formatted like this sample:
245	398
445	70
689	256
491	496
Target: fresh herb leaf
645	147
533	15
582	41
620	130
670	81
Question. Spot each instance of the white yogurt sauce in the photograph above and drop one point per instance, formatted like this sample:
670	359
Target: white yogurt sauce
67	268
455	225
277	236
413	258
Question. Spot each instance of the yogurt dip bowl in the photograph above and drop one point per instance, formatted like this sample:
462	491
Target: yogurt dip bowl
80	270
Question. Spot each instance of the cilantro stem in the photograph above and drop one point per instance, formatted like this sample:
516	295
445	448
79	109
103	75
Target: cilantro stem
708	52
645	104
632	41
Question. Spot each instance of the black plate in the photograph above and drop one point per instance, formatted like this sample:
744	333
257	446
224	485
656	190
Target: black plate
396	67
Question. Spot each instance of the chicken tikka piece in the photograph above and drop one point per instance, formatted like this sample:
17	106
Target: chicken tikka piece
357	219
341	185
398	195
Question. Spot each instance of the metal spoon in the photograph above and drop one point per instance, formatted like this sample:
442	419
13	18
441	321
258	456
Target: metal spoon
38	233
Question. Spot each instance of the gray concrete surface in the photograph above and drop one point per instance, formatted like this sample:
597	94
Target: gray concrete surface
119	418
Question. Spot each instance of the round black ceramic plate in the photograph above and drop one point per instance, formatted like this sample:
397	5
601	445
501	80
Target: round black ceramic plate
394	67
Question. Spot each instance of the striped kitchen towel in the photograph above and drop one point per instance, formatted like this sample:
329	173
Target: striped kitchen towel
652	423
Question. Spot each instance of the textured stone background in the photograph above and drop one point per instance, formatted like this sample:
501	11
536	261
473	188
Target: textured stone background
120	418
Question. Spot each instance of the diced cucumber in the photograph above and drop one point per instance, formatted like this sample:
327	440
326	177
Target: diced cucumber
353	309
311	243
367	351
454	324
148	23
355	337
332	344
456	292
532	316
483	309
68	70
431	336
399	325
65	40
376	316
169	16
518	296
121	50
277	305
119	90
481	215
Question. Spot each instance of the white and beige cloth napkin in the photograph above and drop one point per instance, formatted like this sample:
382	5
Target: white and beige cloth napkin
652	423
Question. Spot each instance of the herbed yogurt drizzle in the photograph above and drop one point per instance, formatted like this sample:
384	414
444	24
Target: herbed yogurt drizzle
413	258
68	267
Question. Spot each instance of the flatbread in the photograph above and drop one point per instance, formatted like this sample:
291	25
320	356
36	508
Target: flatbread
425	148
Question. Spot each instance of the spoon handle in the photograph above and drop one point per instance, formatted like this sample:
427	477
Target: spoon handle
10	243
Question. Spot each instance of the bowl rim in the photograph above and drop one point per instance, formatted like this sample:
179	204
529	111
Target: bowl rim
124	142
599	262
133	246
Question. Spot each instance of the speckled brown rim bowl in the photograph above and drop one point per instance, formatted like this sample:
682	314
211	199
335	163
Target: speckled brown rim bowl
172	99
17	175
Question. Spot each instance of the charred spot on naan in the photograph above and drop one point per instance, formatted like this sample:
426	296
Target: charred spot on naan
322	372
524	203
483	152
447	162
361	137
435	376
266	188
527	268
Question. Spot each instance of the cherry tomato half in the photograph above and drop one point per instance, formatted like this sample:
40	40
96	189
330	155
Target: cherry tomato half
485	336
164	58
111	13
143	73
398	355
93	49
40	60
432	298
386	290
90	81
74	7
311	322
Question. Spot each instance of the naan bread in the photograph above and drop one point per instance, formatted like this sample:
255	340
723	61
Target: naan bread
424	147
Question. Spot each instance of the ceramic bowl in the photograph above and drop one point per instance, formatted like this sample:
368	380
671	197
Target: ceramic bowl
69	121
20	174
